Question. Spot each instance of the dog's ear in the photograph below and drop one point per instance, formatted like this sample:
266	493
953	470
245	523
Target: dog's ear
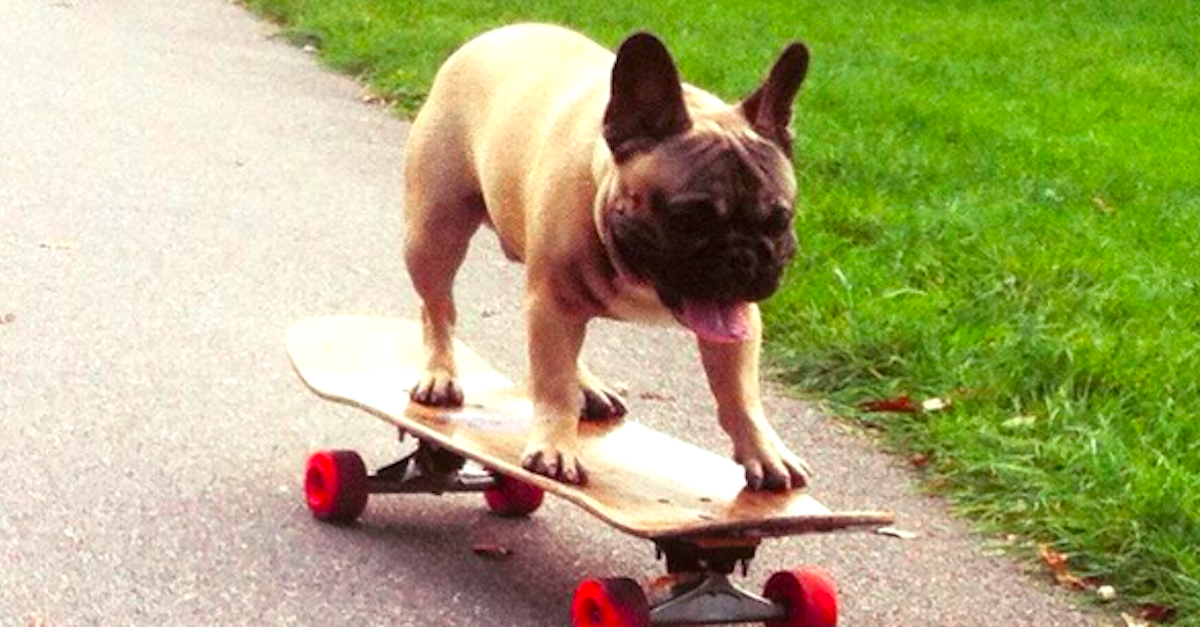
646	102
769	108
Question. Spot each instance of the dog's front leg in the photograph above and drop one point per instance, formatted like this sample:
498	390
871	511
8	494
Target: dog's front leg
555	340
732	370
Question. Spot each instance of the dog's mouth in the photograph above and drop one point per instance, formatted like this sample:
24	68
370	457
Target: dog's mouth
716	322
710	320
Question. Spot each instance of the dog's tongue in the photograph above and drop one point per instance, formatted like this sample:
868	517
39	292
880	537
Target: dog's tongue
716	322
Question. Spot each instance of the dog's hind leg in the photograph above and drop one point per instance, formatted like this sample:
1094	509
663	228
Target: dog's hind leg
442	211
435	246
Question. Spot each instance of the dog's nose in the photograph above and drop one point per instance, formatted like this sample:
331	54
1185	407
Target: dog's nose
742	264
755	266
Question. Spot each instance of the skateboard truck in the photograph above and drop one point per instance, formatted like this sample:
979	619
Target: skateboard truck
429	470
337	485
716	600
703	592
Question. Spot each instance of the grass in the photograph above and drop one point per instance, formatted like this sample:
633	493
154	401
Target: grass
1001	204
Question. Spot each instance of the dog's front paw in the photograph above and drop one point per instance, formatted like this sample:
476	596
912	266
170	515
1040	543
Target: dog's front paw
774	467
557	462
437	388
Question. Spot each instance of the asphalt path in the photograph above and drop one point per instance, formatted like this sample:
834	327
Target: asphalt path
177	186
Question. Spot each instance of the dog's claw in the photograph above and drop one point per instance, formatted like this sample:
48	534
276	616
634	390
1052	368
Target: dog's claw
754	475
602	404
556	465
437	389
779	472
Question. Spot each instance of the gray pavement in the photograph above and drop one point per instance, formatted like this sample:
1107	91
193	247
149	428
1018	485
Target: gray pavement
176	188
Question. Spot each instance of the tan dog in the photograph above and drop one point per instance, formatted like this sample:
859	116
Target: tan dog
627	195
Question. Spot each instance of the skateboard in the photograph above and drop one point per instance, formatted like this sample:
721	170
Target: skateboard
690	503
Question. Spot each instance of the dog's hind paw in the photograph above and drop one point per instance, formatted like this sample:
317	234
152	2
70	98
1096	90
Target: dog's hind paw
601	403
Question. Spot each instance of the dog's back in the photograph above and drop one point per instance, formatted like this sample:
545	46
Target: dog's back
524	67
495	106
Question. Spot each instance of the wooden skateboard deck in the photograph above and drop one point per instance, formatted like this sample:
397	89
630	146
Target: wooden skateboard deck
641	481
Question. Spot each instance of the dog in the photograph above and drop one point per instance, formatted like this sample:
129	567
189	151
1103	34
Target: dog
627	194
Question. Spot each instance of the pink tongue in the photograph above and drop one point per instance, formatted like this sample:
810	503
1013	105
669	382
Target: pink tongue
717	322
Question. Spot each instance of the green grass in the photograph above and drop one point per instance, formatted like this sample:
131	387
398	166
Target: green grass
1000	203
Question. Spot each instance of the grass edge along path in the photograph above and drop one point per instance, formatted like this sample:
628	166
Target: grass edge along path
999	204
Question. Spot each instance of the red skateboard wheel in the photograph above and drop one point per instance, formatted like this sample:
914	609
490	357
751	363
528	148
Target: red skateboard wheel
808	593
510	497
610	603
335	486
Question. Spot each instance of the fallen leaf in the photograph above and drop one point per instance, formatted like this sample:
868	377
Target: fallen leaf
1155	613
655	396
1055	560
492	551
896	532
919	460
1103	206
1058	566
1133	621
903	404
372	98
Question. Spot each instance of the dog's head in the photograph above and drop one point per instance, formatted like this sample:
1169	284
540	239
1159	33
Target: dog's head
701	207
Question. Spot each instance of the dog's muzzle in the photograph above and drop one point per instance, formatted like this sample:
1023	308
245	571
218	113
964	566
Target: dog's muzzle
733	266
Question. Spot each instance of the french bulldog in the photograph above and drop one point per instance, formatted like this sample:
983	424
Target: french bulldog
627	194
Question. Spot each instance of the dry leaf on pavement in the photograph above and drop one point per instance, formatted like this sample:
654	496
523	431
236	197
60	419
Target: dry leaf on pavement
492	551
897	532
903	404
655	396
